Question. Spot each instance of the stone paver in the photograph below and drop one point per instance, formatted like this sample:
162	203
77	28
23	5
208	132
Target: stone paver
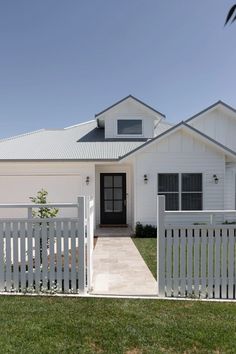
119	269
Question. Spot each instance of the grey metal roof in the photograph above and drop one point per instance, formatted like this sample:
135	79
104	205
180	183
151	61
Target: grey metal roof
73	143
80	142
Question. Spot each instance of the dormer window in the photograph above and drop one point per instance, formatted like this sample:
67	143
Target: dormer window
129	127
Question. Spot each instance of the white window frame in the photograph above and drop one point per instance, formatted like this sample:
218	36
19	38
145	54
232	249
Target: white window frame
180	187
129	135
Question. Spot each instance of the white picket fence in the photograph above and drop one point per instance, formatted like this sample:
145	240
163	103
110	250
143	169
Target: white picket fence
195	260
47	255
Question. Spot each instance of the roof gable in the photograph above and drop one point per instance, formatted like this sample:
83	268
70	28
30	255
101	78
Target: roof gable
129	97
219	104
186	127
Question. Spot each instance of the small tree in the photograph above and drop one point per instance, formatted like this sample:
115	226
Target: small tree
44	212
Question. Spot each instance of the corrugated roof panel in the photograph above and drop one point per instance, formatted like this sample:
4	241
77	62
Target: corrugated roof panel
63	144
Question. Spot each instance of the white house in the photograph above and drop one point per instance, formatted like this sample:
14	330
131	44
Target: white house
123	159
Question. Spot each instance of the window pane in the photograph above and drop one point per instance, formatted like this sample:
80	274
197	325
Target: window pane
191	201
107	181
191	182
117	181
129	126
108	193
108	206
117	206
168	182
118	193
172	200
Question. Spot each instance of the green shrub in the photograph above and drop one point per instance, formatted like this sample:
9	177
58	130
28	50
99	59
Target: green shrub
226	222
145	230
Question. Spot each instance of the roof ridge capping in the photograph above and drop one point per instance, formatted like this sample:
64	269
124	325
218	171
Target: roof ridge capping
22	135
126	98
214	105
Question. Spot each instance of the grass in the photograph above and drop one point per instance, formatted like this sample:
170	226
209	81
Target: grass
148	250
82	325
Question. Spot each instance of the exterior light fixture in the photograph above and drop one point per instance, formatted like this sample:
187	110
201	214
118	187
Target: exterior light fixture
145	179
215	179
87	180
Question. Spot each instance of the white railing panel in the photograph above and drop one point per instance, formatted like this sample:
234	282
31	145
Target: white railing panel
47	254
197	260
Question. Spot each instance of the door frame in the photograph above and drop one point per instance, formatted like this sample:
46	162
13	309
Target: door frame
124	197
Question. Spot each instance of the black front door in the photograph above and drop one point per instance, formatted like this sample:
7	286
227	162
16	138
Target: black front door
113	198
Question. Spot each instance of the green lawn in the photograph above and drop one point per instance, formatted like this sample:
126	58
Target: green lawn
148	249
66	325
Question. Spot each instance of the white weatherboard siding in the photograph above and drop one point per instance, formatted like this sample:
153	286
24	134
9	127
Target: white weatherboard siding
63	181
129	110
219	125
179	153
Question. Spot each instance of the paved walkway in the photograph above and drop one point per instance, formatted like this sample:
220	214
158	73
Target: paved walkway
119	269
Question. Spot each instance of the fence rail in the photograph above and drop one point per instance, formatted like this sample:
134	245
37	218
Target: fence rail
197	260
46	255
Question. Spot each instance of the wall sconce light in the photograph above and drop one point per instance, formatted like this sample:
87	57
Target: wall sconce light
215	179
87	180
145	179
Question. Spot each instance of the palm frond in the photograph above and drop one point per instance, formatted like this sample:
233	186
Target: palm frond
230	15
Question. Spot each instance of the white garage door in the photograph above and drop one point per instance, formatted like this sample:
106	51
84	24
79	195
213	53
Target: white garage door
18	189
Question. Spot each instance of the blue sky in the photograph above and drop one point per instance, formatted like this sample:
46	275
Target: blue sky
63	61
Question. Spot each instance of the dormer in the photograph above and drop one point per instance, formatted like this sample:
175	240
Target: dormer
129	119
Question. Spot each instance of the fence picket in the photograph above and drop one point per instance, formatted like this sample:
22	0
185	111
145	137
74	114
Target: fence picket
30	254
196	263
2	263
203	261
231	265
44	244
8	255
66	256
189	261
224	264
210	263
15	256
51	256
22	257
37	261
73	258
176	263
58	258
182	262
217	263
168	262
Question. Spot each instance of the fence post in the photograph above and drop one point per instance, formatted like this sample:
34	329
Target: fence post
81	232
90	241
161	245
30	213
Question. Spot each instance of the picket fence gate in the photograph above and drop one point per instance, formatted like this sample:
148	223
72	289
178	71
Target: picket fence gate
196	261
47	255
